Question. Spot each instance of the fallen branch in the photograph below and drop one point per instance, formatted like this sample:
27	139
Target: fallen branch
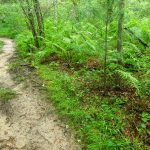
138	38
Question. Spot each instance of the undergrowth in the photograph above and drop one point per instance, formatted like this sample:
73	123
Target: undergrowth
72	72
6	94
100	122
70	64
11	22
1	45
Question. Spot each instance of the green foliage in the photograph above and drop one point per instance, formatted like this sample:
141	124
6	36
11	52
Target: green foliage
145	80
145	117
72	52
6	94
25	44
98	125
1	45
70	43
128	80
11	22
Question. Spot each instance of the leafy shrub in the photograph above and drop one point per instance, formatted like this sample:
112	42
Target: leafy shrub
129	81
70	44
25	44
11	22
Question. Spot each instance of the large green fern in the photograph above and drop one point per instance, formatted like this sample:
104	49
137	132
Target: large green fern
129	80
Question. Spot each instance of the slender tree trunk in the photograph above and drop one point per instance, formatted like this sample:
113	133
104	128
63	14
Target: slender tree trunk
39	17
108	20
106	49
120	30
34	19
76	12
56	11
120	37
32	24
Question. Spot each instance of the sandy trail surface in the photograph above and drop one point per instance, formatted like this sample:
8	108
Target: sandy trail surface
28	122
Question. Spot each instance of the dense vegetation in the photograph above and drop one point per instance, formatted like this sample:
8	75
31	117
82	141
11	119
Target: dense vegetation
94	62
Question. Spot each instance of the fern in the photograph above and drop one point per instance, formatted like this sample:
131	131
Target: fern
129	80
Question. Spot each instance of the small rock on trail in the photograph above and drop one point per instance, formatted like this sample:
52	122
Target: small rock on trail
28	125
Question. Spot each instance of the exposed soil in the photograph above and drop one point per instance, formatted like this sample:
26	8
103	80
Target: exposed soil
28	122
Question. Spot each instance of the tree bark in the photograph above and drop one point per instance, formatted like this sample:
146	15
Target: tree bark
120	30
32	24
75	4
108	20
56	11
34	19
39	17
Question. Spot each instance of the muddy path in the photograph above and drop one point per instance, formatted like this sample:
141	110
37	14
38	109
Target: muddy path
28	122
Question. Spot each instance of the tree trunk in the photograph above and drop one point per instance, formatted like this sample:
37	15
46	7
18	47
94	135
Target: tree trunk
34	19
76	12
108	20
56	11
32	24
120	30
39	17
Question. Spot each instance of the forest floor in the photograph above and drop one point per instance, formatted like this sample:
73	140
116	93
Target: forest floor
27	122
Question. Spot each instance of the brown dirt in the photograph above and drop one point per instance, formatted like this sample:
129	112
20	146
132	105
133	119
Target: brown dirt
28	122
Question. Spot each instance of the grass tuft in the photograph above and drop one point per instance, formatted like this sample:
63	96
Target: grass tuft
1	45
6	94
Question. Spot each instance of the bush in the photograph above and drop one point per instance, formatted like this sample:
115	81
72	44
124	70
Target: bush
11	20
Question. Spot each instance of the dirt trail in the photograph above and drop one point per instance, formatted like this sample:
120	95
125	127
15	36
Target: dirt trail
29	123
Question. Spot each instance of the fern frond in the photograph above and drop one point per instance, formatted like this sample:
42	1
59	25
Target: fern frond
129	80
